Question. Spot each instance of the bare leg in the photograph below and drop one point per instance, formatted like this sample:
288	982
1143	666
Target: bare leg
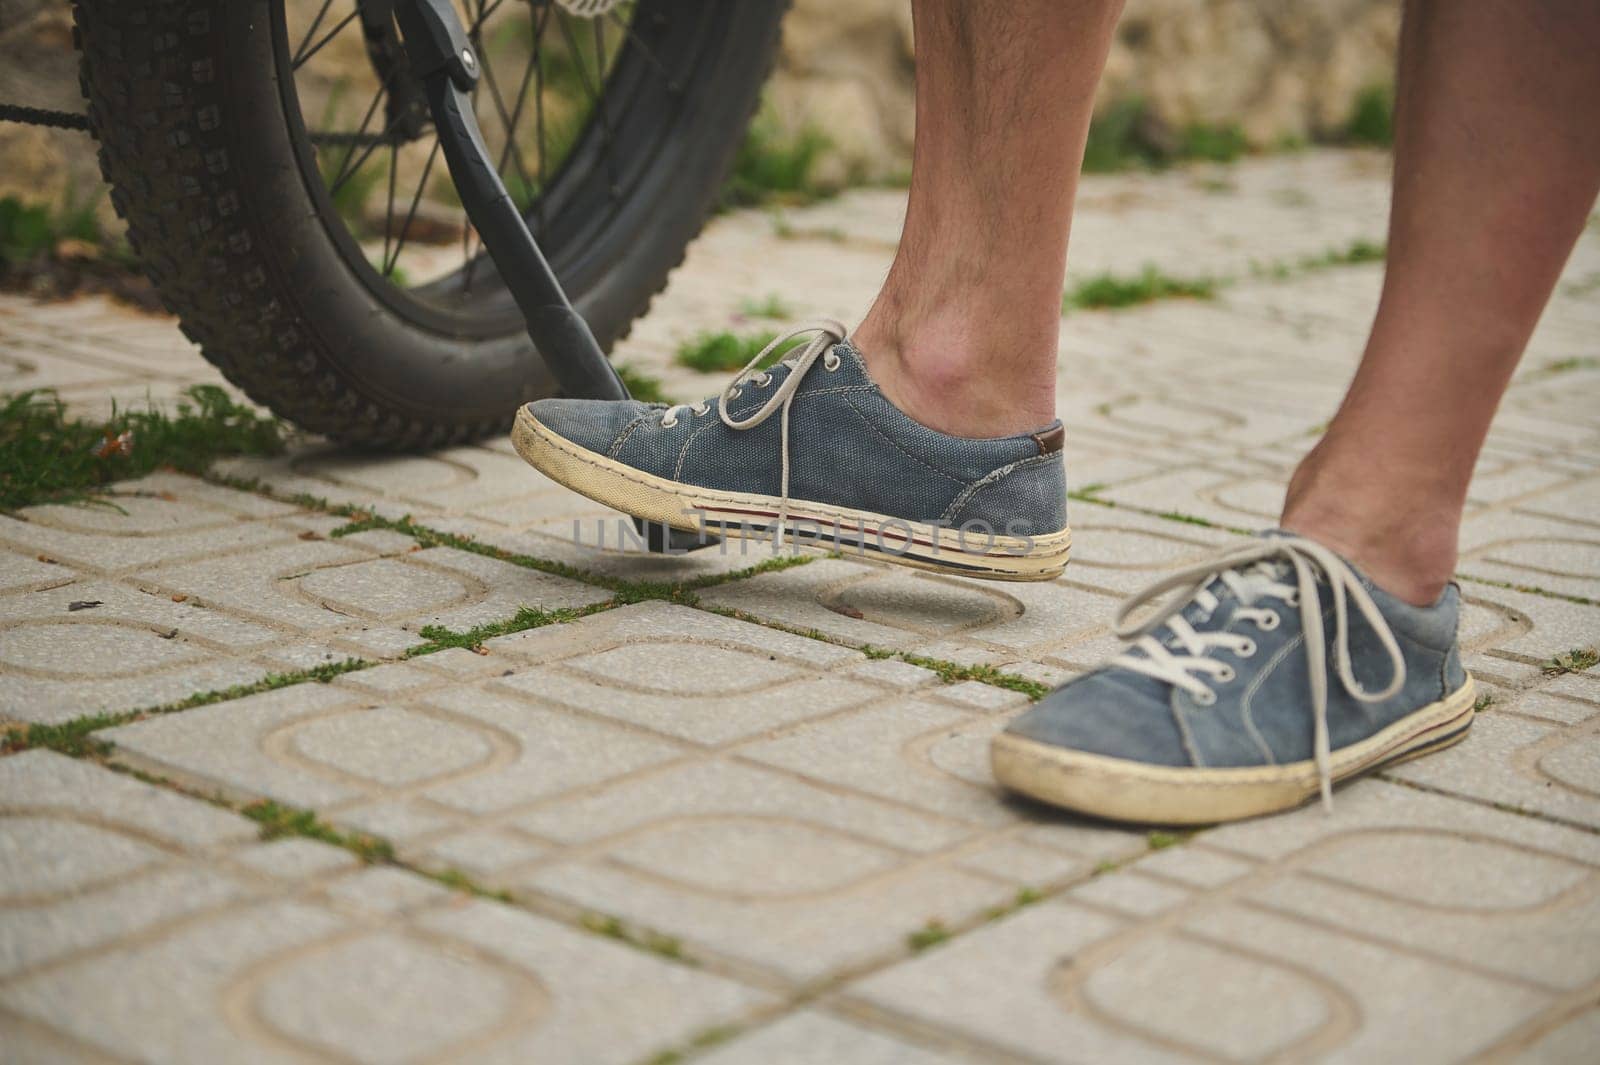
1497	163
963	335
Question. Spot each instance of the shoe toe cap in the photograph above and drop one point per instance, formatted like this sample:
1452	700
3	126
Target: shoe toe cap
1107	714
593	424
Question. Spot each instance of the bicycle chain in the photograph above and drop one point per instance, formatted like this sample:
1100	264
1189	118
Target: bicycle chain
41	116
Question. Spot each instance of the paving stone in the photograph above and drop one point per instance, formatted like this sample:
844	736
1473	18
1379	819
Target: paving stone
220	745
979	696
952	987
583	979
909	750
539	752
793	861
385	892
160	1001
138	530
1520	763
895	673
1572	1041
811	1038
49	781
1132	894
483	852
88	857
385	998
26	572
297	859
262	584
1407	1006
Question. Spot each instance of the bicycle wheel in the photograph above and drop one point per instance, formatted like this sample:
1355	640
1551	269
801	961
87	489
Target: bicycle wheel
282	185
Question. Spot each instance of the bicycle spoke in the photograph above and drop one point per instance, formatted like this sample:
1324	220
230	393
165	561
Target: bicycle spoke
316	23
484	13
597	98
644	50
411	214
388	213
320	45
347	171
507	119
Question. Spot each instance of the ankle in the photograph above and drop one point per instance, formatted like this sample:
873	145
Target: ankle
958	381
1404	540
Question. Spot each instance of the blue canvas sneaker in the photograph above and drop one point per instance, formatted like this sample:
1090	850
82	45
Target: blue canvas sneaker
1273	672
812	451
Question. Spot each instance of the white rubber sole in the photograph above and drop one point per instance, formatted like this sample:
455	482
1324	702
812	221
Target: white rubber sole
686	506
1121	790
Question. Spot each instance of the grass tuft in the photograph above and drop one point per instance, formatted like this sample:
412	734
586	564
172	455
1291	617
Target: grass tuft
279	821
725	352
1357	253
1108	291
771	307
953	672
655	942
1372	118
774	166
1574	661
1126	135
440	638
641	386
1160	841
47	455
74	738
929	935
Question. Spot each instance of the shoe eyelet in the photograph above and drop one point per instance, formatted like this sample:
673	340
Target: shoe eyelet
1248	649
1293	598
761	380
831	363
1225	674
701	411
735	394
1270	622
668	423
1205	698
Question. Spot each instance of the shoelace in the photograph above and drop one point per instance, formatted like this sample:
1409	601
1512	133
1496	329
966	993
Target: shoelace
1306	558
829	333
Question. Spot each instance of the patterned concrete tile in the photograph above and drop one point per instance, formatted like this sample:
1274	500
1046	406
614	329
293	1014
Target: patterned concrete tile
1369	930
148	924
812	1038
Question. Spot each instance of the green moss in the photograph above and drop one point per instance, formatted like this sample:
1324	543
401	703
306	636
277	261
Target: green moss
440	638
48	455
1110	291
641	386
1126	136
645	939
1159	841
929	935
1213	143
772	306
74	738
279	821
724	352
774	166
1574	661
34	230
1372	117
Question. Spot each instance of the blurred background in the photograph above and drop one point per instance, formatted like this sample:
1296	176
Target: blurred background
1187	79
